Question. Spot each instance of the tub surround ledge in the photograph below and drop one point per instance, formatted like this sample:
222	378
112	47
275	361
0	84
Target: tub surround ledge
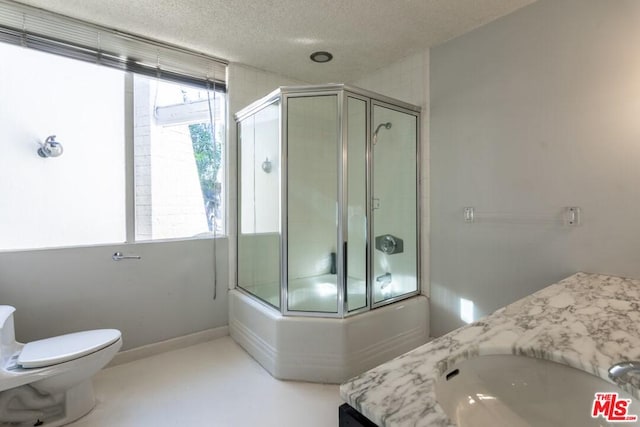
323	349
586	321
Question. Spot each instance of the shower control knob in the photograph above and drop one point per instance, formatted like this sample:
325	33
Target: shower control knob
389	244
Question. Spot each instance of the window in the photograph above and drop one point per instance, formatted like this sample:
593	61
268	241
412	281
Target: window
82	94
179	134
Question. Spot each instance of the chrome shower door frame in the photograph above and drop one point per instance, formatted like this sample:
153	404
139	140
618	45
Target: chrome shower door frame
246	112
413	111
342	93
288	93
344	202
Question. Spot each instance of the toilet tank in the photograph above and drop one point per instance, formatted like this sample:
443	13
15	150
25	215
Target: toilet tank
8	344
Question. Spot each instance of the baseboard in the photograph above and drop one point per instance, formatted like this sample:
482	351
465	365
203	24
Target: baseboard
168	345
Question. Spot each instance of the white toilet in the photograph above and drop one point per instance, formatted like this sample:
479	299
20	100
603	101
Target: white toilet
48	382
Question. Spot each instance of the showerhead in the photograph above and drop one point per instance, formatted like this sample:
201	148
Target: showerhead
386	126
375	134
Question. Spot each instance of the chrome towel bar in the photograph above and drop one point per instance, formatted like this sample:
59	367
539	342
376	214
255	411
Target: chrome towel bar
118	256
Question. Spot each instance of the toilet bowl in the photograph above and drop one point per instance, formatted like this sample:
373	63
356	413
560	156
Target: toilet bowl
48	382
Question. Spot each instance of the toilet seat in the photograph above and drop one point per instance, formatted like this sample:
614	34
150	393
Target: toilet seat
63	348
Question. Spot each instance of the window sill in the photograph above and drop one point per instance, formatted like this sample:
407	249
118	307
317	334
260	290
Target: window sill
117	244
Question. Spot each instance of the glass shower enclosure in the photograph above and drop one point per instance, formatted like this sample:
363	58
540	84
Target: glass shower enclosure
328	212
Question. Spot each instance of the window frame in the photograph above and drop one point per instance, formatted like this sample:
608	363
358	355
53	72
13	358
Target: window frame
130	183
48	32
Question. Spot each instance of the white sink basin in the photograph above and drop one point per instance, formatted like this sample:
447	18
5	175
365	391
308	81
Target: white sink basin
515	391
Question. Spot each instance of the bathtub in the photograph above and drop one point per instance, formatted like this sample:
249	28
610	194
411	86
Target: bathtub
322	349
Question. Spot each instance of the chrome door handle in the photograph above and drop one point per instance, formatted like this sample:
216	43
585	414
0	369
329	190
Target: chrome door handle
119	257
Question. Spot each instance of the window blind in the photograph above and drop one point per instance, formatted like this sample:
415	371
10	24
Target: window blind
50	32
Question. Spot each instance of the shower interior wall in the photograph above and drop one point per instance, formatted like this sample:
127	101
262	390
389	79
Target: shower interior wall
312	189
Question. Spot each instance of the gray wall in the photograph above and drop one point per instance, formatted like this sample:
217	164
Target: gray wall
534	112
168	293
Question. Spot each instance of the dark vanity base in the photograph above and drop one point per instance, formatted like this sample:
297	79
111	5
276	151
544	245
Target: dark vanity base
349	417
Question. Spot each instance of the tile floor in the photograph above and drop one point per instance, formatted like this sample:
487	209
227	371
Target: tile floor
214	384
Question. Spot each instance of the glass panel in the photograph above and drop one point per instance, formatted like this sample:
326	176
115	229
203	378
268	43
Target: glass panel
179	135
78	197
312	150
356	204
394	203
259	204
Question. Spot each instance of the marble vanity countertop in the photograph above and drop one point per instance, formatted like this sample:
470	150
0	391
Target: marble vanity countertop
587	321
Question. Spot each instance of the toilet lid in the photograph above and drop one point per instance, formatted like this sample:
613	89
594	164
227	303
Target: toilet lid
51	351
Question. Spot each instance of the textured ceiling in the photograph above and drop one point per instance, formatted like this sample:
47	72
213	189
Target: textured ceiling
279	35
